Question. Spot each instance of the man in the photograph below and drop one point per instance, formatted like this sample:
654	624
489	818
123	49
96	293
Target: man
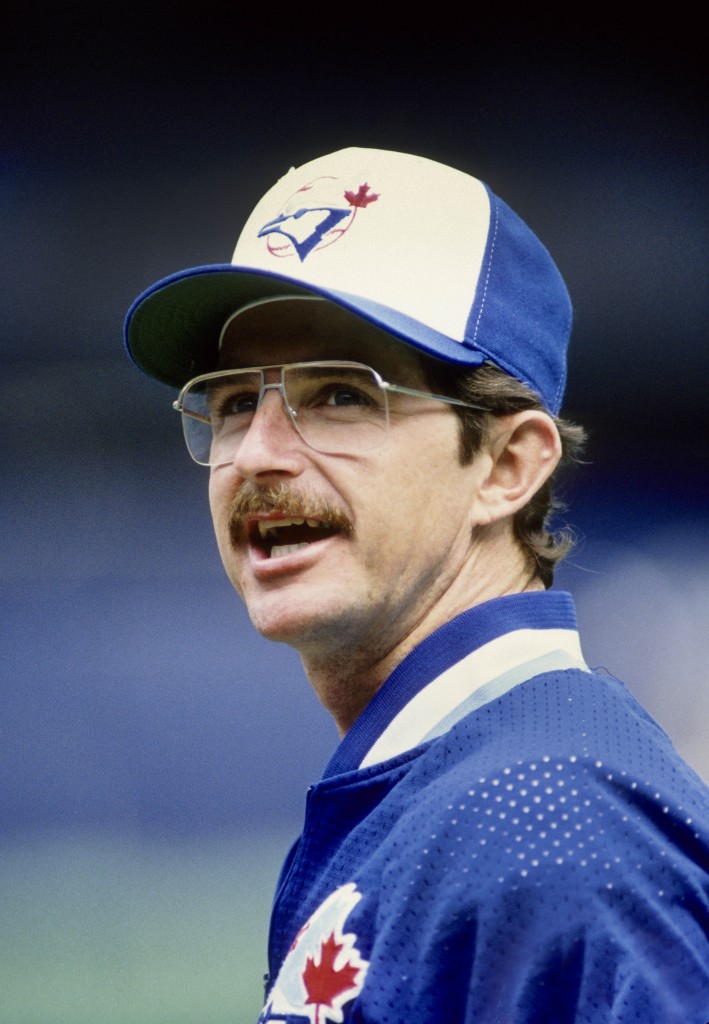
503	834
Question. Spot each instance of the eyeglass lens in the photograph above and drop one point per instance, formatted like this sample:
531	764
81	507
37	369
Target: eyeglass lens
335	409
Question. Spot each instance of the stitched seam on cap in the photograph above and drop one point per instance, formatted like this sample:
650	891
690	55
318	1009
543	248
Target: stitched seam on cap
487	276
562	381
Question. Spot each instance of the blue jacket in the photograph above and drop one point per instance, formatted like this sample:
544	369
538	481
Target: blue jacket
503	837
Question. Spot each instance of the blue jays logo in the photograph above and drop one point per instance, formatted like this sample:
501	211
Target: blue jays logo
323	971
317	215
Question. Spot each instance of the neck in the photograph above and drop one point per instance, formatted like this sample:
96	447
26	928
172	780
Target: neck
347	671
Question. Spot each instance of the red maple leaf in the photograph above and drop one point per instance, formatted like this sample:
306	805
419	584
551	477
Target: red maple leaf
324	983
362	197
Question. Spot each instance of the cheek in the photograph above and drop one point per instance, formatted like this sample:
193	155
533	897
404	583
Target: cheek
398	508
219	500
214	497
429	497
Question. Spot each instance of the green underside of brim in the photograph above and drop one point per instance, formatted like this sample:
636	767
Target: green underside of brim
173	333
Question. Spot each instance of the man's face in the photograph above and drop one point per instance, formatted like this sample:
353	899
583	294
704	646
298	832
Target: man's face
390	528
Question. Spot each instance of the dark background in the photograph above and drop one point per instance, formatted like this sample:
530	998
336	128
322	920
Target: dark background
136	701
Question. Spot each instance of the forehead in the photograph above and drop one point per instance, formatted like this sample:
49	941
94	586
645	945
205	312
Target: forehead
294	330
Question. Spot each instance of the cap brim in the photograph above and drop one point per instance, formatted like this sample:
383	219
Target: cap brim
172	330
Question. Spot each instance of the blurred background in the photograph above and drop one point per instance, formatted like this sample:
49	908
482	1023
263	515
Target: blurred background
154	752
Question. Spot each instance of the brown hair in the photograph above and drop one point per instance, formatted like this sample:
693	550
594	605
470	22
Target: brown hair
501	394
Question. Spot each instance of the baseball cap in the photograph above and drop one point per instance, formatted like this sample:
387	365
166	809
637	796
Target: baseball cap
426	252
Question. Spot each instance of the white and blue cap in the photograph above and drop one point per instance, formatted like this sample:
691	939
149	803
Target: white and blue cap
426	252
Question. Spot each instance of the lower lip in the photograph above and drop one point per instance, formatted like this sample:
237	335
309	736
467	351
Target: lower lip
264	567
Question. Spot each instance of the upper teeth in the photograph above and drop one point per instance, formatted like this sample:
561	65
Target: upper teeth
264	525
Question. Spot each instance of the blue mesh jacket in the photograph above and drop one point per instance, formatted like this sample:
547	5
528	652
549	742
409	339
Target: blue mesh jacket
504	837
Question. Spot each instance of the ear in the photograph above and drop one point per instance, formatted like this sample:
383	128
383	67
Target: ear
523	450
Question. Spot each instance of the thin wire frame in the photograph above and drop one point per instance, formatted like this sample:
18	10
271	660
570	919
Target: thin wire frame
197	422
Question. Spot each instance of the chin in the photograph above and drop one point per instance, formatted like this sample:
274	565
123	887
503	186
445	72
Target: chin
299	624
291	626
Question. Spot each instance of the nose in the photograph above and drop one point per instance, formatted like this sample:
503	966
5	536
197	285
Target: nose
271	445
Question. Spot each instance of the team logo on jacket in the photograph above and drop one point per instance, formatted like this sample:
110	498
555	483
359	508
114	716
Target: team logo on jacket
317	215
323	970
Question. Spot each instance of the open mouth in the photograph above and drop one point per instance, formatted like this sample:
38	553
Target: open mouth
275	537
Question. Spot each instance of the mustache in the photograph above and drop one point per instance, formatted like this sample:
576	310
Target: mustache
252	500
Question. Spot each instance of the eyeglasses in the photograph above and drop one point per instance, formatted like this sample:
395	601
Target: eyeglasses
338	408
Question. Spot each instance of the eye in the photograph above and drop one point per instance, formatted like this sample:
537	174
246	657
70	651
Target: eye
224	404
345	395
335	394
242	403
